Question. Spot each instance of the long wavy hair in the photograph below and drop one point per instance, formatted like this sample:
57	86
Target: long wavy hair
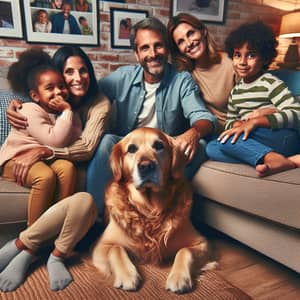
181	61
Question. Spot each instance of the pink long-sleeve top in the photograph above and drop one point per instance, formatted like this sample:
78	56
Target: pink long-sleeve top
44	129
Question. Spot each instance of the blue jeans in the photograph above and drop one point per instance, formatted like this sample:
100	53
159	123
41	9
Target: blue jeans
260	142
99	173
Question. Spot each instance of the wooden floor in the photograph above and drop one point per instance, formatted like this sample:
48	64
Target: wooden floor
254	273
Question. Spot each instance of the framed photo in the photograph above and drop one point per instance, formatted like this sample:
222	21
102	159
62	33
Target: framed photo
45	22
205	10
121	22
10	19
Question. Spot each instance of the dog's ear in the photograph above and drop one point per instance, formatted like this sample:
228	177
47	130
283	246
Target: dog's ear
116	162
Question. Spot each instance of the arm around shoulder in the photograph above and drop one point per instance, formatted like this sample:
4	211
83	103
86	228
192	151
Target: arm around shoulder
95	125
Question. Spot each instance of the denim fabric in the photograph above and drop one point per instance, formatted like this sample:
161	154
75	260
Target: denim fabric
99	172
260	142
178	104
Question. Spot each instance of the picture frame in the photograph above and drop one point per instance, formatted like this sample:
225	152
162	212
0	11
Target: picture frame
205	10
83	24
121	22
10	19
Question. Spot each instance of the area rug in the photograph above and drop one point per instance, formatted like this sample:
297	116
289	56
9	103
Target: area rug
88	286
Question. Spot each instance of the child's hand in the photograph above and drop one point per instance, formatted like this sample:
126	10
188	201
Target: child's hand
244	127
261	112
59	104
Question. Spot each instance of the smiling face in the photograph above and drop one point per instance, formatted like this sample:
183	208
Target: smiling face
66	10
43	17
247	63
77	77
50	84
190	41
151	53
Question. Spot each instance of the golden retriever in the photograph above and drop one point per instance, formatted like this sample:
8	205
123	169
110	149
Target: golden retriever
149	204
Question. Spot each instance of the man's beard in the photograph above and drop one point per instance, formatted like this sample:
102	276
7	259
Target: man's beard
156	71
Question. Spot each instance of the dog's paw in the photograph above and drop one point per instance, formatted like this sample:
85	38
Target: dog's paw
212	265
128	281
179	283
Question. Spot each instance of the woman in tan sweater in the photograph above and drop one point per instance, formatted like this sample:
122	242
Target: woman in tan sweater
193	49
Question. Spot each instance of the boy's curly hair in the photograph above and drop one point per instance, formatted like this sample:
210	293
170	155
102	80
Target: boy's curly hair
259	36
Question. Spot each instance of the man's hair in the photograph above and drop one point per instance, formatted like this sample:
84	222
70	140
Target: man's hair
259	36
149	23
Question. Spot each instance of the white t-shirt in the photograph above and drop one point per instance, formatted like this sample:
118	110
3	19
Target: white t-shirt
147	116
66	27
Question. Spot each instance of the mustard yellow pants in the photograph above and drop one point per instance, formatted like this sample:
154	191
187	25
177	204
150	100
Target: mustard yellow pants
65	222
49	183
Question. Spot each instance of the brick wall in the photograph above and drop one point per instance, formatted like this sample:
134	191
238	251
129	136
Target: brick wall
106	59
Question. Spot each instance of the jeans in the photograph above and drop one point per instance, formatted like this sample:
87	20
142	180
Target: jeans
260	142
99	173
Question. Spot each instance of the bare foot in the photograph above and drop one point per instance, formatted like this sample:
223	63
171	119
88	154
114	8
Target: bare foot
274	163
295	159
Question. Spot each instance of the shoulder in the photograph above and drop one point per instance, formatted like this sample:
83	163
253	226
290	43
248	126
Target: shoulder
32	109
270	79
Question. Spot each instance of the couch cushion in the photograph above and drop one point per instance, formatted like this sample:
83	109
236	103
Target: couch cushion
13	202
5	98
275	197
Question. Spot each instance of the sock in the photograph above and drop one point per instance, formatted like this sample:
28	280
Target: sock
7	253
15	272
58	274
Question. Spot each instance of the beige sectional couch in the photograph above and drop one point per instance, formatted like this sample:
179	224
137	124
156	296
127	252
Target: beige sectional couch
263	213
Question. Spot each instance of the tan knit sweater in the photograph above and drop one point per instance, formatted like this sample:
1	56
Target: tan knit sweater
94	115
216	84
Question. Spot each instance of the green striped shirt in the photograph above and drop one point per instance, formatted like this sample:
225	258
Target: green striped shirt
266	91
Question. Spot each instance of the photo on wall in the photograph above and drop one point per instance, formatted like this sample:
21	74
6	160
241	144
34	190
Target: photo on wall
121	22
62	22
205	10
10	19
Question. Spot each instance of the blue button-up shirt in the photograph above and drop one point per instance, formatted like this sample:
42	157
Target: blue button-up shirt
178	102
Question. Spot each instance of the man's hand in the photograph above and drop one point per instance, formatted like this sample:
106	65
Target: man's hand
188	143
25	160
15	118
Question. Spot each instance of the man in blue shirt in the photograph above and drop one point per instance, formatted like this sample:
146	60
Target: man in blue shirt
64	22
150	94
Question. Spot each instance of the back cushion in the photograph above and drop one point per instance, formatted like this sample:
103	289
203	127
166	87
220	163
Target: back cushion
291	79
5	98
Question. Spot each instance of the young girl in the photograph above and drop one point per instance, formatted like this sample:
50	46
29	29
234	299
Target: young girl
51	122
266	141
42	24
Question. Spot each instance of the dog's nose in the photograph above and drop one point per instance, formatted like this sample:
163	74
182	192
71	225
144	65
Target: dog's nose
145	167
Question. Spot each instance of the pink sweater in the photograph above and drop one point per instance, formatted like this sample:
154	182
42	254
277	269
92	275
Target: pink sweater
44	129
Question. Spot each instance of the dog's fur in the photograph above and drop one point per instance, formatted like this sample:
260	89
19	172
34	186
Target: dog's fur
149	204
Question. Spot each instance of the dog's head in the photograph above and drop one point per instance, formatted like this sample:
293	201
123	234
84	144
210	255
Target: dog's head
148	158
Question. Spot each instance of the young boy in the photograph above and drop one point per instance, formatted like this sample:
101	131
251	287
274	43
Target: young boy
262	120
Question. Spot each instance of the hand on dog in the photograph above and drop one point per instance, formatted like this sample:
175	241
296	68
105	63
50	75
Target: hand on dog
188	143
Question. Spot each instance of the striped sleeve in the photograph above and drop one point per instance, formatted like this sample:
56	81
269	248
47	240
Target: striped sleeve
288	115
232	113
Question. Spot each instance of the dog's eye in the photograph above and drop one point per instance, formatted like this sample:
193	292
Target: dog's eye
158	146
132	148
